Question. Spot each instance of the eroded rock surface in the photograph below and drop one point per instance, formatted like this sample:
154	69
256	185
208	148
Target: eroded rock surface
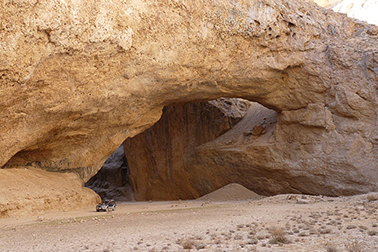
160	158
267	152
79	77
300	153
197	162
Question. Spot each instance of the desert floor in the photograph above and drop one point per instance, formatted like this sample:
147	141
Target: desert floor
212	223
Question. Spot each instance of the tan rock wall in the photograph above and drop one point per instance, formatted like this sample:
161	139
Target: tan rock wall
303	154
289	152
78	77
159	159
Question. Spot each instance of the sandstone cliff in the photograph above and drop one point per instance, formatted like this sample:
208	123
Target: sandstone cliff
79	77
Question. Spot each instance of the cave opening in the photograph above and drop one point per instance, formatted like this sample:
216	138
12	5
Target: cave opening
112	181
179	158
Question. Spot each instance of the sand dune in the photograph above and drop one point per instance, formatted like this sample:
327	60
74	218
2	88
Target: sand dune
231	192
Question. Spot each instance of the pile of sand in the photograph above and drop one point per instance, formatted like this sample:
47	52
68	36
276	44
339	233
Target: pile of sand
231	192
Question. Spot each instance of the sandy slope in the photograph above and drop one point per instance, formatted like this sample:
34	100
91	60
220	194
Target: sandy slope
311	222
30	191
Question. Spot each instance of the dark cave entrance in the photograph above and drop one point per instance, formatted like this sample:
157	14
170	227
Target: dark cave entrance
112	181
163	162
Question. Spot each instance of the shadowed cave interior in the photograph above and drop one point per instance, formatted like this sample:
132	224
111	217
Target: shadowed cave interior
161	159
112	181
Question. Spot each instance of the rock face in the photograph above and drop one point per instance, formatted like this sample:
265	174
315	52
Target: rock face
79	77
267	152
293	153
160	157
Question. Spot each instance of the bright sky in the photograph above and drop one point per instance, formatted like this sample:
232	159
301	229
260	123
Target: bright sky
366	10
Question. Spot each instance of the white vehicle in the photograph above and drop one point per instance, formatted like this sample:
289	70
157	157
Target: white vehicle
106	205
112	205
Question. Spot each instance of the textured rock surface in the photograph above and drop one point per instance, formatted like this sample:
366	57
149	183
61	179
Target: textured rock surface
78	77
160	158
193	150
293	152
301	152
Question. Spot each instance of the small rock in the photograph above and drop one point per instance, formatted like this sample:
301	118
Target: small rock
301	201
373	30
253	241
303	234
372	232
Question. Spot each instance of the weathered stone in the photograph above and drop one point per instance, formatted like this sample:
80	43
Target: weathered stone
160	157
78	78
314	115
299	152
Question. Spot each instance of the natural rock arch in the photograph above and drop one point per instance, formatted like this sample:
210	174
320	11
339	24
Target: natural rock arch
78	79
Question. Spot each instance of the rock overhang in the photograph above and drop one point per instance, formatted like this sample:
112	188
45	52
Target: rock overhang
80	78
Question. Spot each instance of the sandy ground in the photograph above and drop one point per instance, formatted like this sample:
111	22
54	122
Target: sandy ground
279	223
